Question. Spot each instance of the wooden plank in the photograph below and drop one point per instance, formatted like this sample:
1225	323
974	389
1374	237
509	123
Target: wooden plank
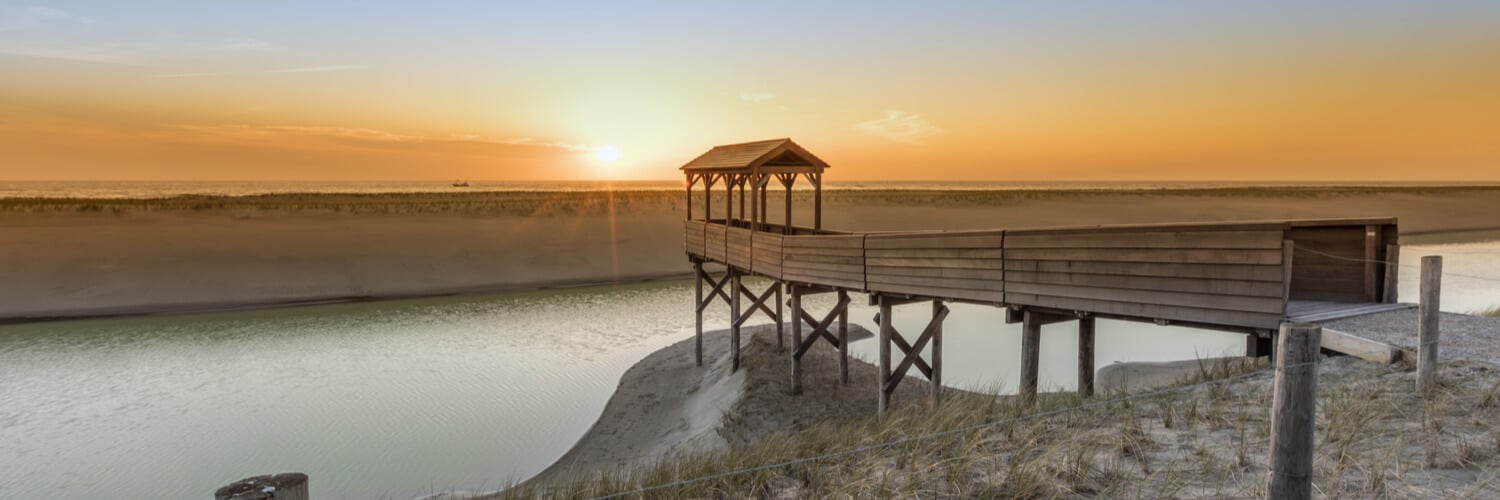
793	256
1154	227
839	252
1195	300
1172	255
937	292
1220	287
940	263
1183	239
936	272
992	285
1363	348
823	266
824	241
1245	272
938	253
934	240
1149	311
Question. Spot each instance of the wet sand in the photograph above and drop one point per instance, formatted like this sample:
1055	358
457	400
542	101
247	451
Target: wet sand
62	260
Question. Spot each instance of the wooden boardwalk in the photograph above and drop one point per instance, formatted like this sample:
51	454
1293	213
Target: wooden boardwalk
1239	276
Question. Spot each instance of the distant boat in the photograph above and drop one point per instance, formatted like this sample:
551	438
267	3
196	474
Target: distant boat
460	184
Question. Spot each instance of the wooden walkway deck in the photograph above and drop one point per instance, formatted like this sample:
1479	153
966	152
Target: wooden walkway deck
1236	276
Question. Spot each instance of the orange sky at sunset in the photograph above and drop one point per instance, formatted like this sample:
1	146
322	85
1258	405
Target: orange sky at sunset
960	91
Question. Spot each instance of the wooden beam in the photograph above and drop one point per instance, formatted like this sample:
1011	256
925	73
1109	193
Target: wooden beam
1372	264
1293	413
1288	248
698	312
796	339
935	382
1429	314
734	318
844	339
1363	348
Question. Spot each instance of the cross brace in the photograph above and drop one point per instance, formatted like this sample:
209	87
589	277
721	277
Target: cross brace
820	330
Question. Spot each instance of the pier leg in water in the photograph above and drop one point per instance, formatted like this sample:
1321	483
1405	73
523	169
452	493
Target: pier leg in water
1031	341
796	338
1086	356
734	320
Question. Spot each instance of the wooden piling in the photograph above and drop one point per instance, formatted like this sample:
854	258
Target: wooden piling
1292	412
937	354
734	320
1086	356
285	486
885	354
844	339
1392	272
796	339
698	315
1427	328
1031	340
780	318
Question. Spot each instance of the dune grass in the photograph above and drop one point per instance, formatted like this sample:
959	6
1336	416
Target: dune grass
1375	438
1493	312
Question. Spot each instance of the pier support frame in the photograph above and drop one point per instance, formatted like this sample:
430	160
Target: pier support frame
820	327
758	302
700	303
911	353
1031	347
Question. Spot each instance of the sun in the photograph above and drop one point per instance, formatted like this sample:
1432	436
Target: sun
607	153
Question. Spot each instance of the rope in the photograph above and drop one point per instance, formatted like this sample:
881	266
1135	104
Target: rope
960	430
1386	262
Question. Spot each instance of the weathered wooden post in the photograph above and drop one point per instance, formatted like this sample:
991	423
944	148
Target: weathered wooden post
936	378
780	319
1293	409
1031	345
884	319
843	339
698	312
796	339
285	486
1086	356
1427	329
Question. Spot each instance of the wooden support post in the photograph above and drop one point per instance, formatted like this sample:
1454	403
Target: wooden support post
844	340
698	312
1372	263
1031	342
734	320
885	354
1292	412
728	199
708	197
691	180
1257	345
936	378
796	339
1086	356
754	205
1288	250
764	179
286	486
1427	328
1392	273
787	181
780	318
817	180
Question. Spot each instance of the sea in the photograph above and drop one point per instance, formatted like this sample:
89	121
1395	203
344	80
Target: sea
162	189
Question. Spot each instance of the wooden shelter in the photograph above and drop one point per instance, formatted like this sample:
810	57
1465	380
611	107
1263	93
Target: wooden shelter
1246	277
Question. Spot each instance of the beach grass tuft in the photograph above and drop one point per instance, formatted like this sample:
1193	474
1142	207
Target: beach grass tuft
1375	437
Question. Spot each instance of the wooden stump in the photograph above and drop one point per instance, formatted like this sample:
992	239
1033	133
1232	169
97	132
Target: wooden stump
1427	329
285	486
1293	410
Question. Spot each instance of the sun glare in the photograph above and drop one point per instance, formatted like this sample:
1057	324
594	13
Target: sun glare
607	153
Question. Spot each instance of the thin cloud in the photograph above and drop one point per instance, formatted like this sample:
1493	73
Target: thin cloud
756	97
322	69
186	75
367	135
900	126
14	18
129	53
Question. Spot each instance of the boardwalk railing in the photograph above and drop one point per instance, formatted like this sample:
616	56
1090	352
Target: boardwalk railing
1237	275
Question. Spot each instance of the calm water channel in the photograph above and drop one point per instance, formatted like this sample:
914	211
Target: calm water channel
397	399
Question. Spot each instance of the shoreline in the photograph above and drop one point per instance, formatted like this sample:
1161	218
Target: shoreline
1427	237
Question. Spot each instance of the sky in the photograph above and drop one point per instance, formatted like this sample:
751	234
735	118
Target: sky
991	90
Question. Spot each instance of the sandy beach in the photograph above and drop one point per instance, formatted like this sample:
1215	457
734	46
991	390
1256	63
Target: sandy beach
72	258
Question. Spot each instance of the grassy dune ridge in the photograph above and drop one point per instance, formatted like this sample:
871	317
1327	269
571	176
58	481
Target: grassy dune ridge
598	202
1375	438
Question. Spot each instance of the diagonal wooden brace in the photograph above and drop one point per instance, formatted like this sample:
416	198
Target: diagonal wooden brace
718	289
913	353
760	302
820	328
